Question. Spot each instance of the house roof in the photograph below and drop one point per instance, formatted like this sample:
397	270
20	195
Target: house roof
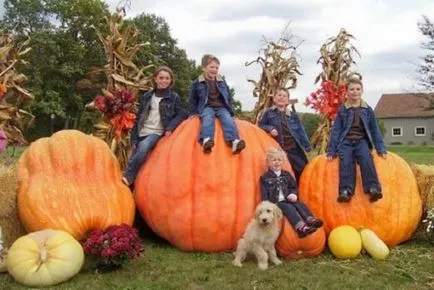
408	105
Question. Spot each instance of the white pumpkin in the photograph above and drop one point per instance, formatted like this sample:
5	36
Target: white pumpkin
45	258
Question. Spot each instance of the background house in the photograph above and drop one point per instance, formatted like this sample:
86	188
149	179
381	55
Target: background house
407	118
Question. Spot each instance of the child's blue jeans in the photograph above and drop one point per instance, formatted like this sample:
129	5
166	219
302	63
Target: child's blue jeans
229	127
298	161
350	152
296	212
138	156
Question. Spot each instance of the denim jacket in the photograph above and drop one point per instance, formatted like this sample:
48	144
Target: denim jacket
170	108
342	125
270	184
199	95
271	120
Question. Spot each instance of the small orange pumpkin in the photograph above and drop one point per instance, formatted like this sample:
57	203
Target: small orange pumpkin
394	218
72	182
203	202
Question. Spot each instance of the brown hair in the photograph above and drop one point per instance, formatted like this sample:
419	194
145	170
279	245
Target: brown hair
282	89
208	58
273	151
160	69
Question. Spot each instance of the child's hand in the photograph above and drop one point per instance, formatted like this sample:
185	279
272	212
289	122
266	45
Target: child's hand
384	155
292	197
168	133
192	116
329	158
274	133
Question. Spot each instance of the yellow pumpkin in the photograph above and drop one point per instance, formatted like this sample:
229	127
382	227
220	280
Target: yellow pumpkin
45	258
373	244
345	242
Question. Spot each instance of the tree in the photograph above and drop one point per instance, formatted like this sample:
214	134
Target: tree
426	69
310	122
163	50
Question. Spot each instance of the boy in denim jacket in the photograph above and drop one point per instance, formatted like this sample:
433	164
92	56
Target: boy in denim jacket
286	128
209	98
354	133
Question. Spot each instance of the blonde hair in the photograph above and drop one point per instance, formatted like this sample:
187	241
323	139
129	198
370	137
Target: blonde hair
208	58
354	78
274	152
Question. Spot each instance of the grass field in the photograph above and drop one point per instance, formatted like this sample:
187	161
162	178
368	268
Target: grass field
410	266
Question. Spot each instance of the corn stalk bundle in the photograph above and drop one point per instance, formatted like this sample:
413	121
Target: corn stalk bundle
425	181
337	58
120	46
279	70
12	94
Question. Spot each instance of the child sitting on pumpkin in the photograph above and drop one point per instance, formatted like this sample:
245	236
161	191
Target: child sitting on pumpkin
279	186
355	131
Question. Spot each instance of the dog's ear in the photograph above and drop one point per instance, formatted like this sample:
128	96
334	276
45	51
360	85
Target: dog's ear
277	212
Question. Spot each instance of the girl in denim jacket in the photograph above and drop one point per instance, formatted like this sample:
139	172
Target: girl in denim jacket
355	131
209	98
279	187
160	112
286	128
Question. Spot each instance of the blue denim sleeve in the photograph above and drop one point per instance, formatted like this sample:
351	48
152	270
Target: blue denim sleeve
264	123
134	135
336	132
376	134
179	116
264	192
292	184
304	139
193	101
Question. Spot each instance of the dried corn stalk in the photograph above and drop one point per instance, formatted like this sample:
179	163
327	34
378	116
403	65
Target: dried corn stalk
279	70
336	60
120	46
12	95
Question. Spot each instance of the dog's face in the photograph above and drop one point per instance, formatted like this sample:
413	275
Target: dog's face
267	213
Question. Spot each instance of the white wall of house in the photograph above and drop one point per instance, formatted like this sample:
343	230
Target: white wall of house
408	131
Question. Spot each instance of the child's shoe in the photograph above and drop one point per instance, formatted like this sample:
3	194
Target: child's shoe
207	144
314	222
127	183
375	194
238	146
344	196
305	230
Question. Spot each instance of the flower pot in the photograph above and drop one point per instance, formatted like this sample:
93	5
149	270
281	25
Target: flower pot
106	268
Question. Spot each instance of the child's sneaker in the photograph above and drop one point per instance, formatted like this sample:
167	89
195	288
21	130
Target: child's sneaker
238	145
305	230
375	194
207	144
344	196
314	222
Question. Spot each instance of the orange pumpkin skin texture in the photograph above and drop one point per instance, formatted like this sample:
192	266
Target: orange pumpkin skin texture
394	218
72	182
198	201
290	246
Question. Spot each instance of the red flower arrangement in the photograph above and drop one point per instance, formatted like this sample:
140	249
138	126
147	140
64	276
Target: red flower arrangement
327	99
115	246
116	105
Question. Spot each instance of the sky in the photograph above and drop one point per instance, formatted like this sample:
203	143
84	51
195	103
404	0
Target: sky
386	33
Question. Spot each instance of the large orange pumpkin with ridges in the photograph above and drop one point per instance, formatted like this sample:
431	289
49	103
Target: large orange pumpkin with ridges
394	218
198	201
72	182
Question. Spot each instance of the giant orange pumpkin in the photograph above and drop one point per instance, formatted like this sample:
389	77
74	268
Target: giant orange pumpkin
394	217
72	182
203	202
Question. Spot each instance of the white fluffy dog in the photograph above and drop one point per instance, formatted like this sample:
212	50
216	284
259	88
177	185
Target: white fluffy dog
260	236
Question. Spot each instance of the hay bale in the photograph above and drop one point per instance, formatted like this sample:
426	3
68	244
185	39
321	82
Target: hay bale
425	181
9	221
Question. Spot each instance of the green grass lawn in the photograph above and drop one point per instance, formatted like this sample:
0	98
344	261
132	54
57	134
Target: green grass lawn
410	266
